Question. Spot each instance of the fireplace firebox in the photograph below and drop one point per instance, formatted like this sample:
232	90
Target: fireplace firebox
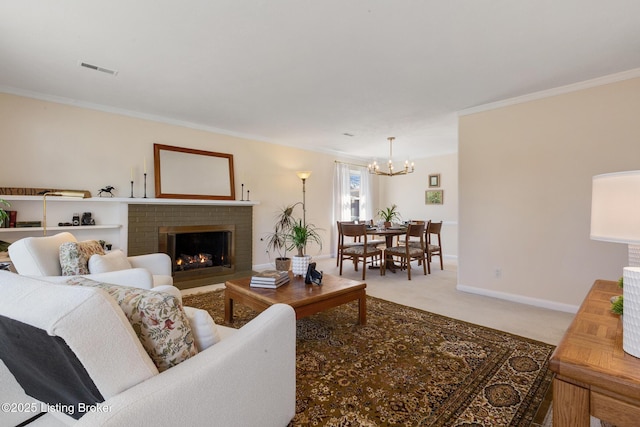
198	250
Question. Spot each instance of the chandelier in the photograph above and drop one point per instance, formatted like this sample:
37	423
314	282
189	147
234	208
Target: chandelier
374	168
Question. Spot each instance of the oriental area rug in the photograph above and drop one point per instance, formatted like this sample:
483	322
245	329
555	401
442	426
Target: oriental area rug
406	367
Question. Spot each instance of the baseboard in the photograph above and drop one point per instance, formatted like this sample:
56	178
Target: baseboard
536	302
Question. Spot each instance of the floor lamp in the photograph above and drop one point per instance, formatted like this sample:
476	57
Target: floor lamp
303	175
62	193
615	217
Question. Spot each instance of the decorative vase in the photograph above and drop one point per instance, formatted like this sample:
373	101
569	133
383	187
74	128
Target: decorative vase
300	264
283	264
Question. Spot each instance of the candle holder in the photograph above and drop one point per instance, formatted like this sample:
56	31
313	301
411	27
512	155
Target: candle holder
132	189
247	195
242	196
145	185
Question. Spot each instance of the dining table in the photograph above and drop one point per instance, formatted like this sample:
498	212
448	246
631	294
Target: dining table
388	233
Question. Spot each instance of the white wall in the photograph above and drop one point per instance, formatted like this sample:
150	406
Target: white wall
408	192
46	144
525	192
524	176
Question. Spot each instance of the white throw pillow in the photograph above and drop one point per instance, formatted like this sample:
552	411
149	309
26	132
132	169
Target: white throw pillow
204	329
113	261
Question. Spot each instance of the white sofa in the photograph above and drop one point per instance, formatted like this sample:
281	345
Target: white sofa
246	379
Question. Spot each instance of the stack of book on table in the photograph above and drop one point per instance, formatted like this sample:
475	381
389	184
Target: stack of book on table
269	279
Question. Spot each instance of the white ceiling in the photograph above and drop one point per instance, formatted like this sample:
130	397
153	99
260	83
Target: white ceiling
304	72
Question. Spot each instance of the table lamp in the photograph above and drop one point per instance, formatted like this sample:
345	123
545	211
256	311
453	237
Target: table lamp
615	217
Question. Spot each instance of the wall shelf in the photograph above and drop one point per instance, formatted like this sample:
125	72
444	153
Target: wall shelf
57	228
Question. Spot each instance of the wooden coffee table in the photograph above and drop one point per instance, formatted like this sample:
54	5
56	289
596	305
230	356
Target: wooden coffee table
305	299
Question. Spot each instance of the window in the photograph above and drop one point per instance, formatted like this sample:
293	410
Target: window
354	193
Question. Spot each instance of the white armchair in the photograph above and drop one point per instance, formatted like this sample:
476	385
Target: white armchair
39	256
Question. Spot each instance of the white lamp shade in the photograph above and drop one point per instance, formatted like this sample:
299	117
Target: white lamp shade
303	174
615	207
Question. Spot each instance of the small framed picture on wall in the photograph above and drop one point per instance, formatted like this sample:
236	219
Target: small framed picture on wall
433	197
434	180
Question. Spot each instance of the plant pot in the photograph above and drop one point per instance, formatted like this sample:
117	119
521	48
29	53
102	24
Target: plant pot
387	224
283	264
300	265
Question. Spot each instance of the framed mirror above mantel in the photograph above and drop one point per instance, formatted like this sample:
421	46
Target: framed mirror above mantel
186	173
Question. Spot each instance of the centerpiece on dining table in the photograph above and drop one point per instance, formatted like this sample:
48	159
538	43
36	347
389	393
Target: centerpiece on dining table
388	215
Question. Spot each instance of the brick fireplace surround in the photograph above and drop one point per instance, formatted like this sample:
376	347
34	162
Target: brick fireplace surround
145	219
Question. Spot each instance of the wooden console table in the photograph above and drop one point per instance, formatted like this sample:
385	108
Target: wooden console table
594	376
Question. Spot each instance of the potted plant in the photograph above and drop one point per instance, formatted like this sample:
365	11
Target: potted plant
301	234
617	302
389	214
3	214
277	241
290	233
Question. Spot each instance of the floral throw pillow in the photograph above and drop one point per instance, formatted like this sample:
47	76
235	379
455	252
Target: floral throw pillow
74	256
157	318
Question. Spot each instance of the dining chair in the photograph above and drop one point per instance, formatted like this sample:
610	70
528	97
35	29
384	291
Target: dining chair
358	232
372	241
356	240
408	252
342	244
402	239
432	249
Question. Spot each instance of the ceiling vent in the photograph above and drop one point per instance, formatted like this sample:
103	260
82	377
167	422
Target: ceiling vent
98	68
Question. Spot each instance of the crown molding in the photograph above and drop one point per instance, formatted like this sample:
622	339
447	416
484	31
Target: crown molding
599	81
128	113
153	118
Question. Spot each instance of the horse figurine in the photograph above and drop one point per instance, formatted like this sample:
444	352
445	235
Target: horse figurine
108	189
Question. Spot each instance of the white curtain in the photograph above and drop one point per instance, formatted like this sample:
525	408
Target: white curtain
366	195
341	201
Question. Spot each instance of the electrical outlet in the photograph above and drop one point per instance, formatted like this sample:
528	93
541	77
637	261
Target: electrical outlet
498	273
